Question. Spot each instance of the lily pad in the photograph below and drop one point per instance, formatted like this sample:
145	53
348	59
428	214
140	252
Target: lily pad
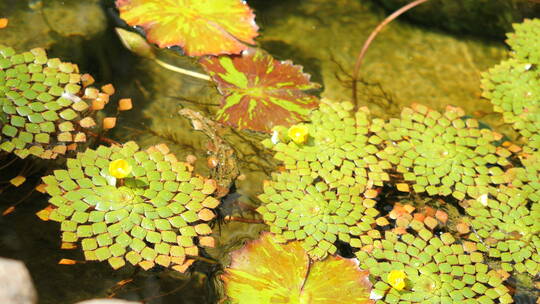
260	92
211	27
267	272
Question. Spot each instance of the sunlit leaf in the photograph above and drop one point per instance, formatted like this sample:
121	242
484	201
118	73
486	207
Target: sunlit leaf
44	214
267	272
209	27
68	246
17	181
260	92
8	210
67	262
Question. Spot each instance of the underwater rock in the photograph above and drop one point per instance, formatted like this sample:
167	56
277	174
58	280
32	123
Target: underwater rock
491	18
15	283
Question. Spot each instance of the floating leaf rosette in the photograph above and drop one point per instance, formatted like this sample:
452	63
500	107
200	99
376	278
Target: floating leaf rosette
297	207
430	269
513	87
443	154
43	107
507	227
525	41
156	214
267	272
326	192
527	177
211	27
339	148
260	92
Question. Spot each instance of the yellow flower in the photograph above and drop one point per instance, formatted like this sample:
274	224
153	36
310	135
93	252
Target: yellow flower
396	279
298	133
119	168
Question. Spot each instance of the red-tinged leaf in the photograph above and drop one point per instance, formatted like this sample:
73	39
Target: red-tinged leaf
17	181
8	210
260	92
265	272
210	27
67	262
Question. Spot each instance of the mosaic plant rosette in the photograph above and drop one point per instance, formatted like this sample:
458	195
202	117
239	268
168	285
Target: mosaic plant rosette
527	177
301	208
158	214
434	270
45	104
325	192
506	226
443	153
513	87
525	41
339	148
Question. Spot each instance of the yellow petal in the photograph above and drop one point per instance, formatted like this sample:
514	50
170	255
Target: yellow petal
396	279
298	133
119	168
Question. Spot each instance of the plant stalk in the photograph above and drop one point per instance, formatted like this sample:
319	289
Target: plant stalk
370	39
176	69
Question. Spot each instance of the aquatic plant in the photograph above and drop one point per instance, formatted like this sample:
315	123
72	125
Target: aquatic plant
265	272
155	213
527	176
200	27
429	269
513	87
506	226
260	92
443	154
326	191
405	216
340	148
298	207
525	41
46	106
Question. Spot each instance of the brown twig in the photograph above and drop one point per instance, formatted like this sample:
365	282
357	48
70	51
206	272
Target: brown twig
226	172
370	39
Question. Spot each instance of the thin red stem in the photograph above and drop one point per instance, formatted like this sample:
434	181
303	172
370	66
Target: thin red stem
370	39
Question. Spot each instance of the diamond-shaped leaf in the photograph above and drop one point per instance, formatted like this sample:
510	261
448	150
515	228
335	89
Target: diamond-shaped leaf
200	27
260	92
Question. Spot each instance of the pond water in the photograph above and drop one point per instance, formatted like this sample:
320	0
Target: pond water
406	63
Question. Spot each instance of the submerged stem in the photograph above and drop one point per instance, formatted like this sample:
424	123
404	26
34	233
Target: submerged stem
176	69
370	39
243	220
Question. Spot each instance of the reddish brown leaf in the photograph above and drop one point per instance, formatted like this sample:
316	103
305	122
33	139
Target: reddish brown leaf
260	92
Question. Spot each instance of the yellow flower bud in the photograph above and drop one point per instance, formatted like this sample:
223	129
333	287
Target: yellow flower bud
298	133
396	279
119	168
